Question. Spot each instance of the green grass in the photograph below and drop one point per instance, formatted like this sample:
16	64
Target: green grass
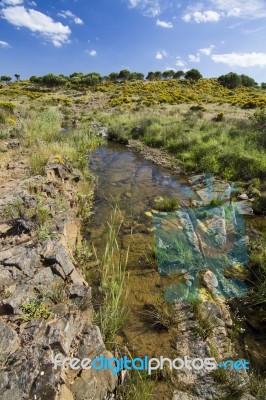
114	277
232	149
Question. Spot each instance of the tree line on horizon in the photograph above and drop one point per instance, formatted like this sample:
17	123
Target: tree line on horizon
230	80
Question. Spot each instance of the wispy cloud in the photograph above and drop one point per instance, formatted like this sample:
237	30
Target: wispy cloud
92	53
161	54
12	2
202	16
180	62
194	58
214	10
37	22
241	59
3	44
164	24
241	8
207	50
68	14
151	8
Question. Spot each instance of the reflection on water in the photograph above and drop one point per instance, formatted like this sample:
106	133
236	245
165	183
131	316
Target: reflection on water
132	181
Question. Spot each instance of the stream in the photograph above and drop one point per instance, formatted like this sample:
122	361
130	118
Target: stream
125	178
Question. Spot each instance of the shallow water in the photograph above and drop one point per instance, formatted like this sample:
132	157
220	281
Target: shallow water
127	179
133	183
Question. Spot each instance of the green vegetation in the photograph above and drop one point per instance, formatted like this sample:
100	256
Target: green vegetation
258	270
112	313
33	310
234	150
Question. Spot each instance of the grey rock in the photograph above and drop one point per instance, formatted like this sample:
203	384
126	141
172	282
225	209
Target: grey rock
9	340
91	344
58	257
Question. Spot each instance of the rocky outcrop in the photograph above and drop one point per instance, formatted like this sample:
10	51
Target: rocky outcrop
45	306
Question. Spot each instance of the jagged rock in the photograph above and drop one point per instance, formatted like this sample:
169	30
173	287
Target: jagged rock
61	332
178	395
57	256
91	344
94	385
9	341
81	291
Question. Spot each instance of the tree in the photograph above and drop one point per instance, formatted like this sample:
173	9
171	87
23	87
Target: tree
150	76
231	80
169	74
5	78
248	81
136	76
193	74
51	80
179	74
124	75
17	76
92	79
113	76
263	85
157	75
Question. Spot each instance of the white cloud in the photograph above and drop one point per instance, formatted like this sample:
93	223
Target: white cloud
12	2
241	8
3	44
71	16
180	62
161	54
92	53
214	10
164	24
207	50
151	8
199	16
195	58
241	59
36	21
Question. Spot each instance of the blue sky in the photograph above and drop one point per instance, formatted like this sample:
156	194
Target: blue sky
214	36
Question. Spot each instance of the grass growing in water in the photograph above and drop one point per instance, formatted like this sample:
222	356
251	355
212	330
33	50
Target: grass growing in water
111	315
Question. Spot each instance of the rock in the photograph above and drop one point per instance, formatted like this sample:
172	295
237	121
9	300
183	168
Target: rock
65	393
94	385
128	195
91	344
259	205
178	395
61	332
243	196
9	341
211	313
59	259
209	280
